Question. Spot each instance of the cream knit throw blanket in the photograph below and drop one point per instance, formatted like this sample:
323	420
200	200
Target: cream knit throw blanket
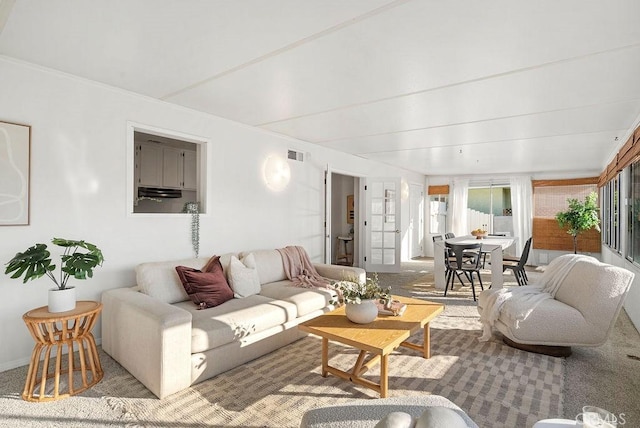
300	270
524	299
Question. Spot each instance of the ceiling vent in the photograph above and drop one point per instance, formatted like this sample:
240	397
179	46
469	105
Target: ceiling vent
296	156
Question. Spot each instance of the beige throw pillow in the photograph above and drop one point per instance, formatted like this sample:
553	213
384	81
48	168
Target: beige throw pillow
243	276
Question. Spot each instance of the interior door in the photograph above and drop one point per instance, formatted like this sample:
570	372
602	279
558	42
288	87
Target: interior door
382	225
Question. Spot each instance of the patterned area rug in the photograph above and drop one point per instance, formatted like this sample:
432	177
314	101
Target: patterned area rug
496	385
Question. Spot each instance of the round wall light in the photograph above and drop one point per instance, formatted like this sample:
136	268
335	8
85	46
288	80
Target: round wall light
276	173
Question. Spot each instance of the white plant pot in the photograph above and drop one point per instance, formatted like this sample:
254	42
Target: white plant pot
62	300
362	313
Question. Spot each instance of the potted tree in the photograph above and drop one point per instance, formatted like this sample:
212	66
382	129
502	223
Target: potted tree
580	217
78	260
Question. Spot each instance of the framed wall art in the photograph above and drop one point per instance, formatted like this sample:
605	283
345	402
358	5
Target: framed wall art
15	154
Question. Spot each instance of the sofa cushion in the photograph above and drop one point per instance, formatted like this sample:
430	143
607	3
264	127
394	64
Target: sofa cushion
160	279
268	264
205	289
306	300
243	276
235	319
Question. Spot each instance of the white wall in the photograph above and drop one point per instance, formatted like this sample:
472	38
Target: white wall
79	185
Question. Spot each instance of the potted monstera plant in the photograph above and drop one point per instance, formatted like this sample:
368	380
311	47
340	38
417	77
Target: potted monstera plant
77	260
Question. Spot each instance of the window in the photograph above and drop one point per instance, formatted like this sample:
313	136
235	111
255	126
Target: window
633	214
611	214
489	208
549	198
438	210
167	172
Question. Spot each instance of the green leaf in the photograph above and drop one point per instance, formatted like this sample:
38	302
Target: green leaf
580	217
36	261
32	263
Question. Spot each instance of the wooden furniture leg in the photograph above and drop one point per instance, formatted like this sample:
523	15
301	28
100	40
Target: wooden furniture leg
384	376
325	356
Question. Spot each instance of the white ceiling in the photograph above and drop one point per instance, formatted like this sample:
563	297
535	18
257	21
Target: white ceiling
456	87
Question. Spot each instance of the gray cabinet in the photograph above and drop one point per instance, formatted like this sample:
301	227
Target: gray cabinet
190	170
149	165
162	166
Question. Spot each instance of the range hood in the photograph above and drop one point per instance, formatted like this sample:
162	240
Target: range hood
159	192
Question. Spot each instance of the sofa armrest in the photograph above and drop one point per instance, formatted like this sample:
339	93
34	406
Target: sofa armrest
339	272
149	338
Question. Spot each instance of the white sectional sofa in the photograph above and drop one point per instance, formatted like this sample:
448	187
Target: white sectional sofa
162	338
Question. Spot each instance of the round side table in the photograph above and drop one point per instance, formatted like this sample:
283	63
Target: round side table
55	331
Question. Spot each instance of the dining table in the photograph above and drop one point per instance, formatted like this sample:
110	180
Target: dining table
494	245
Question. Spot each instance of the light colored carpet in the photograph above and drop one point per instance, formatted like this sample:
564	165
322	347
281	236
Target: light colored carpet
498	386
607	376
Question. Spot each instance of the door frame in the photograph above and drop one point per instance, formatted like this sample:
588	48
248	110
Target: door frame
358	241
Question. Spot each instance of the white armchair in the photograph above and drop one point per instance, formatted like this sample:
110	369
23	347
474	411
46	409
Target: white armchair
582	312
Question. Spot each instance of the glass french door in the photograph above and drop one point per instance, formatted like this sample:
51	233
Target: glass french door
382	225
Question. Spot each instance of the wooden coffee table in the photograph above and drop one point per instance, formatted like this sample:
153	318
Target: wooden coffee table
379	338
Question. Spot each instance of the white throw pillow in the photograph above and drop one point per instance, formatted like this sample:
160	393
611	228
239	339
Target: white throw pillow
438	417
243	276
396	420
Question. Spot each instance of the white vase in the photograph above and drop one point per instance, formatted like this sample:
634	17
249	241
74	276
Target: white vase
62	300
362	313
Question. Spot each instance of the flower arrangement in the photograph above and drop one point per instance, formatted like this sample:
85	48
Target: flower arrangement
351	290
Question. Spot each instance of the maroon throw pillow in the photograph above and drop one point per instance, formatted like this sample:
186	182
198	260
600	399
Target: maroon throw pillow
212	265
205	289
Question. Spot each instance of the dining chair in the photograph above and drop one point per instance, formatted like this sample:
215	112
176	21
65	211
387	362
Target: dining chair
437	238
449	235
450	269
517	264
463	258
